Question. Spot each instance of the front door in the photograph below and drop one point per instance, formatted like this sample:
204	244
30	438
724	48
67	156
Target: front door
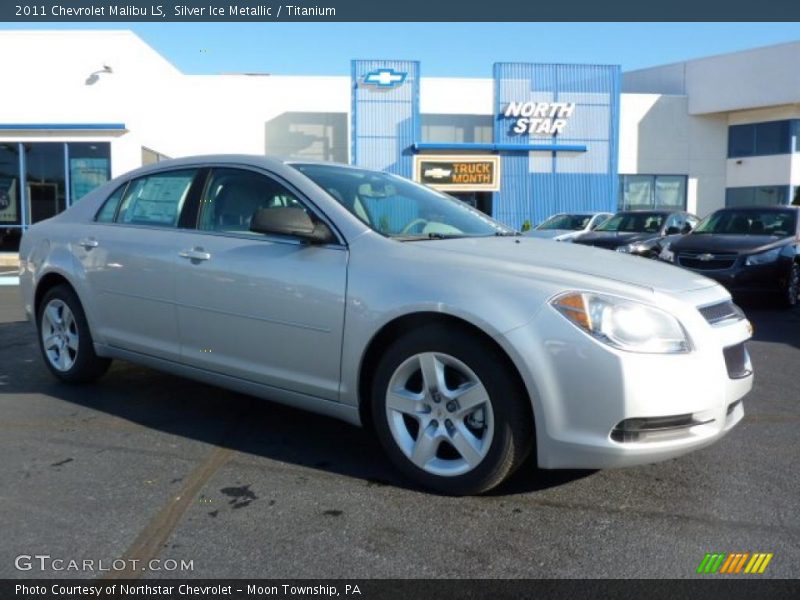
268	309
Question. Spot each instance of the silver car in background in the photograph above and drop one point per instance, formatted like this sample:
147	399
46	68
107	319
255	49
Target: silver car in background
372	299
565	227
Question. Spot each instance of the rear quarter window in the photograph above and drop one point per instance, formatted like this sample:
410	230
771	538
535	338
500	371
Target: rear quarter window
109	208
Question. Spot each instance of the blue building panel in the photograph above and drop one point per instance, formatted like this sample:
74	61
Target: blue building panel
385	114
537	184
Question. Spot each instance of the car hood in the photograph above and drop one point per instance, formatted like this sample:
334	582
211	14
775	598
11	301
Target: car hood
613	239
521	255
727	244
549	233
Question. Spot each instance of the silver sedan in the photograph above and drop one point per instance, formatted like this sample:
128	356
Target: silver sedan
369	298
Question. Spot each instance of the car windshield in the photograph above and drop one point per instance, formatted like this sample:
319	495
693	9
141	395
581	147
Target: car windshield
751	221
570	222
638	222
398	208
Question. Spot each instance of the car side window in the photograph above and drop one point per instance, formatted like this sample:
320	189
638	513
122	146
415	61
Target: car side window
109	208
600	220
234	196
156	200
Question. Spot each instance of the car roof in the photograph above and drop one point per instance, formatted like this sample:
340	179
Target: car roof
649	211
771	208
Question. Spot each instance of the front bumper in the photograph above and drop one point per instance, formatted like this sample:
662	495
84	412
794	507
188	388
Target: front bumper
584	393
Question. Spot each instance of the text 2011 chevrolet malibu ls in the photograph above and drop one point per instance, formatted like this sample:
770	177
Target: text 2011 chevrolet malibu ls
369	298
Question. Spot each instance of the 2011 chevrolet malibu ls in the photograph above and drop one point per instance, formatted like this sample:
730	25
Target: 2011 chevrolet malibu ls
366	297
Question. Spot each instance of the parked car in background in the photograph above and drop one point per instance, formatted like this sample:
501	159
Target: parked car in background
565	227
640	232
746	250
353	293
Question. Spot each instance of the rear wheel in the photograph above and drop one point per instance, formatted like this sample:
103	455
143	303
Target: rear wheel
449	413
65	340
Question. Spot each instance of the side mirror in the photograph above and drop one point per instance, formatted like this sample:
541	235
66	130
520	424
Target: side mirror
672	230
291	221
687	228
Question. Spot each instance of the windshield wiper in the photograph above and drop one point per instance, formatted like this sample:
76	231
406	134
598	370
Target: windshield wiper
507	233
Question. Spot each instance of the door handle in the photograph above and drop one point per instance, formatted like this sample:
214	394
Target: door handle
89	243
195	254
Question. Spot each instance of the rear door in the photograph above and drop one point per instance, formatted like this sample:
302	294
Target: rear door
268	309
129	254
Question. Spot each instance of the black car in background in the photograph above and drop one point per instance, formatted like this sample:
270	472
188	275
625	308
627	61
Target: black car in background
745	249
640	232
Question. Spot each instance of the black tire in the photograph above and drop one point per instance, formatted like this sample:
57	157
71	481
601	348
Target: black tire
789	297
86	365
513	430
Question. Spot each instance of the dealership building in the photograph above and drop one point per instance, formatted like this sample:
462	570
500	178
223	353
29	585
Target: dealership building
524	142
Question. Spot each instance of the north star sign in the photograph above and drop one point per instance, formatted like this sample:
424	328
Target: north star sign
539	118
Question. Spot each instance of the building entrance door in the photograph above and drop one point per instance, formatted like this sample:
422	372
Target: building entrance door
43	201
480	200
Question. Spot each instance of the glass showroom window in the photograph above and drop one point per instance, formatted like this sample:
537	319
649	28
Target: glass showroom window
761	139
89	167
766	195
10	205
40	179
652	191
45	181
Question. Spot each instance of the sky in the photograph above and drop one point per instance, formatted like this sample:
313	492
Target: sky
445	49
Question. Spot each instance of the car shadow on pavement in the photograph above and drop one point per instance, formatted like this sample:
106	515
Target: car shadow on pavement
244	424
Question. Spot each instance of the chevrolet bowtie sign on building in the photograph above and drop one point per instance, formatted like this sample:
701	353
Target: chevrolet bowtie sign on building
458	173
385	78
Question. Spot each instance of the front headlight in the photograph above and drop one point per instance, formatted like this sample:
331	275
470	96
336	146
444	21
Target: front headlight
624	324
635	248
763	258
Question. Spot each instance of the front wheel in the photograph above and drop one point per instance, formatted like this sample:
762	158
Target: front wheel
791	293
449	412
65	340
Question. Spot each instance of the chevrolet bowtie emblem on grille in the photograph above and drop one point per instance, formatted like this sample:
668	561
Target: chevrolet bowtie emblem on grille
705	257
385	78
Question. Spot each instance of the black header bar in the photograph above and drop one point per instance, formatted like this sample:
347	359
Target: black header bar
120	11
703	587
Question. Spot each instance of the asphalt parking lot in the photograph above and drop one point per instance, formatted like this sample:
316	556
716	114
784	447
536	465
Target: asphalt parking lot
145	465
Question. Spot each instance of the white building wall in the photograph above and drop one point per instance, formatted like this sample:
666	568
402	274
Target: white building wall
162	109
752	171
659	137
755	78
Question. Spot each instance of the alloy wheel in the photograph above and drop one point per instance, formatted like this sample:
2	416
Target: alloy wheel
439	414
59	333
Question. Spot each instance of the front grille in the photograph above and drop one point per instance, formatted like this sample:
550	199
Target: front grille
736	361
722	311
705	261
